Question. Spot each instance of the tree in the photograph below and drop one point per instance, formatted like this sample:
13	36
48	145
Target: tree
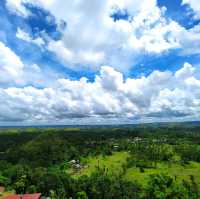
81	195
162	186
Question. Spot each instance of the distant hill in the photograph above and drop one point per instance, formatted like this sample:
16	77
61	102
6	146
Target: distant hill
153	124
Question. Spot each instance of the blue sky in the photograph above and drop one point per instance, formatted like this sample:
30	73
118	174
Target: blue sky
109	61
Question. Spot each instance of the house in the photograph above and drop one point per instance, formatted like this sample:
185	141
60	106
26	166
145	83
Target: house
77	166
136	139
24	196
72	162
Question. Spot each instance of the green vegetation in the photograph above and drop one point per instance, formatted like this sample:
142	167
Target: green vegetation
144	162
113	163
176	170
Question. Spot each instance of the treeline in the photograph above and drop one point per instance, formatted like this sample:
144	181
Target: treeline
44	147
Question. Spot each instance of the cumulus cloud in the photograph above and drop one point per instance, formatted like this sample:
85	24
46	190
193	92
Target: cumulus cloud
190	40
161	95
13	71
92	37
11	66
194	5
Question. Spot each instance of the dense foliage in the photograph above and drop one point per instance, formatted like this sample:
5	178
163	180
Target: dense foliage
38	160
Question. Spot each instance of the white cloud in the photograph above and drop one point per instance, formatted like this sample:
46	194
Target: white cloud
195	5
190	40
19	6
26	37
159	96
92	38
11	65
186	71
14	72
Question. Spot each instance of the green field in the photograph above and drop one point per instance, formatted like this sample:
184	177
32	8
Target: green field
181	172
114	165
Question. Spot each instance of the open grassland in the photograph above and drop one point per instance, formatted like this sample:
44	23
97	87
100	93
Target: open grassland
113	165
174	170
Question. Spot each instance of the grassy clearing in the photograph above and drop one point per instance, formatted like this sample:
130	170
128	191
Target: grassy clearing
113	163
181	172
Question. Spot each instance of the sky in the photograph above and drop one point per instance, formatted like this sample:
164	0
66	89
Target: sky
99	61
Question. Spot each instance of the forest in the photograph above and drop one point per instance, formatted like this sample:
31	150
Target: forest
136	162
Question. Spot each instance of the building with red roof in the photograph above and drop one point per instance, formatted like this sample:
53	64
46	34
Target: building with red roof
24	196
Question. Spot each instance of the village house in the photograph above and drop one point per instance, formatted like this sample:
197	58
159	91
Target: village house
24	196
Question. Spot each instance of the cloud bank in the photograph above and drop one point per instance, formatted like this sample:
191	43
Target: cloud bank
161	95
93	37
107	38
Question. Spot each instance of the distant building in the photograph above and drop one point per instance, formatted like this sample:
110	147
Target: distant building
137	139
24	196
77	166
72	162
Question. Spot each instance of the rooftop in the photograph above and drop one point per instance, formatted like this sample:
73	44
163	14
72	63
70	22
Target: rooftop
24	196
